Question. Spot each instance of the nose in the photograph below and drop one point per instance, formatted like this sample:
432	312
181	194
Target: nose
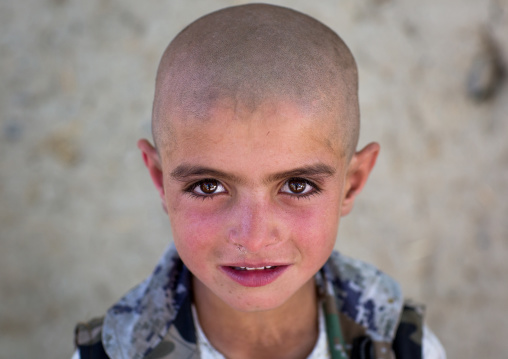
254	225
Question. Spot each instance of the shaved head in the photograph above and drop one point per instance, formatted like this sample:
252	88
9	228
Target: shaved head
248	55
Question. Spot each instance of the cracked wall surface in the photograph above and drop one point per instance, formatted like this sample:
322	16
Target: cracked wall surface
80	223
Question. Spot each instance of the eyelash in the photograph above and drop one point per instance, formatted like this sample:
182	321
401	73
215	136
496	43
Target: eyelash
315	188
190	190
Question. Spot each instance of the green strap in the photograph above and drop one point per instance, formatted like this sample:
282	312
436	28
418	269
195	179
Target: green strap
336	342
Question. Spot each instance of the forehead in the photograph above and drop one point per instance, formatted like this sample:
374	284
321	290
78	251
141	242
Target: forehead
274	135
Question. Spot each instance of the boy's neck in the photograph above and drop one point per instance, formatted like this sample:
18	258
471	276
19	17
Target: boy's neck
277	333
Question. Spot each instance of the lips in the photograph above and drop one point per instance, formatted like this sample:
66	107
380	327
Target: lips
254	276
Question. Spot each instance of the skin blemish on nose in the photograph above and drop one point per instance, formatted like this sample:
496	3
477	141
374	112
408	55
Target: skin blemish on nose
241	249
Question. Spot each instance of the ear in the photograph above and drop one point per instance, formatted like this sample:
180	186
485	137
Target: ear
360	167
153	163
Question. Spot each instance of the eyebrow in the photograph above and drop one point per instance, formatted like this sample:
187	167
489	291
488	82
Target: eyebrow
318	169
185	171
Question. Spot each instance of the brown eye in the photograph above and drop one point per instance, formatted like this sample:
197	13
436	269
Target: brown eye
209	186
297	186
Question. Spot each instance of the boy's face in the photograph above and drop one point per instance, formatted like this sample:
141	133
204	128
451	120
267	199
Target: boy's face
251	190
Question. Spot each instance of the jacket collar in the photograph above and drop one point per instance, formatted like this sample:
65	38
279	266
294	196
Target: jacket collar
363	293
139	321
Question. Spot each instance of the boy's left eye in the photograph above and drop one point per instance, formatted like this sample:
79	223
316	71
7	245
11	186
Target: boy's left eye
298	186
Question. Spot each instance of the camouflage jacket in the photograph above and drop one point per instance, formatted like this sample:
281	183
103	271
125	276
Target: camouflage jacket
364	309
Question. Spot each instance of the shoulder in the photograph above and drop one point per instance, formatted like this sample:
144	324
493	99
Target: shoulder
374	300
363	275
152	317
88	340
366	295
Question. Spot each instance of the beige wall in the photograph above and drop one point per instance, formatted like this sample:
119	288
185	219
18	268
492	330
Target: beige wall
80	223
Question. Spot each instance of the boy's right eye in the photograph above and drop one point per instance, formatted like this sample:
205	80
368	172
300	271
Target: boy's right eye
206	188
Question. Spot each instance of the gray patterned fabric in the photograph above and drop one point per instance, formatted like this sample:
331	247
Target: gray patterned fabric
364	294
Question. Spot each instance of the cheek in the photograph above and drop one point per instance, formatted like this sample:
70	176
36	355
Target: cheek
315	228
195	227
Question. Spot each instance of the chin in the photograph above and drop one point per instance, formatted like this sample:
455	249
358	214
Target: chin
256	303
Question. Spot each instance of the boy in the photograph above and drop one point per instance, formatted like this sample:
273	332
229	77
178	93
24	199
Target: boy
255	125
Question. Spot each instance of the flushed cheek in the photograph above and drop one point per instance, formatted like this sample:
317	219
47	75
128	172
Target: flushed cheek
197	247
196	231
315	227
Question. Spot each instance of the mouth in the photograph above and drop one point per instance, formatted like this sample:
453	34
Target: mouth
255	276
